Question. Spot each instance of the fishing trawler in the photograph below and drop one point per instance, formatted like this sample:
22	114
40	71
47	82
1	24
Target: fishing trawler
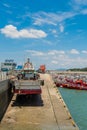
28	81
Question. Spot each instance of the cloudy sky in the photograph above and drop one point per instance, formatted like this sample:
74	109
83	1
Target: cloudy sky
50	32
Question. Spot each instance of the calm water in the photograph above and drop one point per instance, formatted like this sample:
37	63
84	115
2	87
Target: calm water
76	101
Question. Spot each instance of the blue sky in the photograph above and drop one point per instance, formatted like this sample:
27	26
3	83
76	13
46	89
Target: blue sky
50	32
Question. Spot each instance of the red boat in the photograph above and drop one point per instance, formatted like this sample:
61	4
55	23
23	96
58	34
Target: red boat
78	84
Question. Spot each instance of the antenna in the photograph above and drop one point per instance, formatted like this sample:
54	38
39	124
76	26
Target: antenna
28	60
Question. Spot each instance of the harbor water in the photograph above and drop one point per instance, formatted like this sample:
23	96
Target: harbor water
76	101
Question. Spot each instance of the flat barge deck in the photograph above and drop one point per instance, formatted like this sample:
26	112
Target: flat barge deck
41	112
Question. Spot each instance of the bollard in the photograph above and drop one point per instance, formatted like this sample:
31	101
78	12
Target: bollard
69	116
73	123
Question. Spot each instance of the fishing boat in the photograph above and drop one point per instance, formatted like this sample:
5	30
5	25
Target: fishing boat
70	82
78	84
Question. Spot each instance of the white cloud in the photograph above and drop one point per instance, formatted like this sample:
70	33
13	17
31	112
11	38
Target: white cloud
45	41
40	21
54	59
84	51
12	32
61	28
80	2
51	53
51	18
77	5
84	11
54	31
74	51
54	62
35	53
54	19
6	5
54	52
44	18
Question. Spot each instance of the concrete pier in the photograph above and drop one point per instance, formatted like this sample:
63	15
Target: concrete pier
40	112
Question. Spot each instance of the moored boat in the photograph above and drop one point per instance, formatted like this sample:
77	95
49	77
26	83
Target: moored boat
71	82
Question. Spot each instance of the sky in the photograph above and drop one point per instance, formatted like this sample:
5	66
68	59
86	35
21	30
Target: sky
50	32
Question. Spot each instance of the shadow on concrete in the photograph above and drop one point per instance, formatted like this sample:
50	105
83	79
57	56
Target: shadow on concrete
28	100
